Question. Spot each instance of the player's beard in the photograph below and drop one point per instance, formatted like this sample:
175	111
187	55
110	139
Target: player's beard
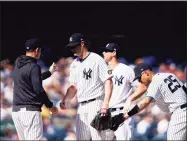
107	59
77	54
77	51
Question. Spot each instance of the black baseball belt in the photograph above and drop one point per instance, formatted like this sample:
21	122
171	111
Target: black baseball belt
87	101
17	108
115	109
183	106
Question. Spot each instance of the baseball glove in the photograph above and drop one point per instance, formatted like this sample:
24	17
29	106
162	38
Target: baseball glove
102	122
117	120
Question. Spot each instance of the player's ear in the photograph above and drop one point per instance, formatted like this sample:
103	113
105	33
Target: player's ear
114	53
36	50
82	43
147	72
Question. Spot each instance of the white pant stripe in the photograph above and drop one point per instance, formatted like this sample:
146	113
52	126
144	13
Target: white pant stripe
177	129
29	125
125	131
85	114
19	127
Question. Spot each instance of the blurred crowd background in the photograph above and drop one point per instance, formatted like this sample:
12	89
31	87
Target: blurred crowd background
150	124
139	28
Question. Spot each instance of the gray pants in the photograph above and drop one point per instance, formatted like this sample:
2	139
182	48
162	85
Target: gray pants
29	125
177	129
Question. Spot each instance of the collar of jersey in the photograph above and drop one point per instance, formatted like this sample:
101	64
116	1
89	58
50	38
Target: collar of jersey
81	60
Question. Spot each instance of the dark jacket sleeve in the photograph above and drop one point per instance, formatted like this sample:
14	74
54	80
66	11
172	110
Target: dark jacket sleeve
45	75
37	86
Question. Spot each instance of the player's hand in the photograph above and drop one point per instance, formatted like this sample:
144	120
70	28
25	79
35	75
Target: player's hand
62	105
127	105
53	110
126	116
104	109
53	68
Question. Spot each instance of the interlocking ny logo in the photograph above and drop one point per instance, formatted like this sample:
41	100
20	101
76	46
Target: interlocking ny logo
87	74
119	81
70	40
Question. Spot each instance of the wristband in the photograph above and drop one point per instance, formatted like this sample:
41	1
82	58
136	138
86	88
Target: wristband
133	111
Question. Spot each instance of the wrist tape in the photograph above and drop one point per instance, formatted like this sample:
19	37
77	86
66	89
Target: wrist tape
133	111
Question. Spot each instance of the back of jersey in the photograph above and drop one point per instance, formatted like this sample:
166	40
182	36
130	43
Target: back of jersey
167	91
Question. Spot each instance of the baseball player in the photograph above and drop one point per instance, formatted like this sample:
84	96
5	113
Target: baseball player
91	83
28	93
123	76
168	93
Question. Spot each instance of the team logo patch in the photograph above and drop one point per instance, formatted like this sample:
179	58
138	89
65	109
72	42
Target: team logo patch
70	40
119	81
87	74
107	45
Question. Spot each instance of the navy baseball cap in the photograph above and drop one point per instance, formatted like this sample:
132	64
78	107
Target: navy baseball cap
110	47
139	69
33	43
75	39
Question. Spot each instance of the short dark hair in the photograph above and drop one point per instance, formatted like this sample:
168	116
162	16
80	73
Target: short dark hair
117	53
87	44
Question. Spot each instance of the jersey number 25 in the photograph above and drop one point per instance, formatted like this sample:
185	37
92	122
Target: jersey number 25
173	83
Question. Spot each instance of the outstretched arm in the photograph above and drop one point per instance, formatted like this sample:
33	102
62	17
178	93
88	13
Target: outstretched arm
141	89
45	75
138	92
139	106
48	73
71	92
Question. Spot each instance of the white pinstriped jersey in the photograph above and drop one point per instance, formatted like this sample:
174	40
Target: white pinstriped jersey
167	91
123	76
89	76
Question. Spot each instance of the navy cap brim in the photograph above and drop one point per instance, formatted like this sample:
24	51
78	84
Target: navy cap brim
73	44
136	77
106	49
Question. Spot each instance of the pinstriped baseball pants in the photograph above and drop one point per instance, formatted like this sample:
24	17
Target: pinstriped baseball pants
85	114
125	131
29	125
177	129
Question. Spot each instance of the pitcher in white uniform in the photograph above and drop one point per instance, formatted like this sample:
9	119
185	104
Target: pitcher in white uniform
91	83
169	94
123	76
